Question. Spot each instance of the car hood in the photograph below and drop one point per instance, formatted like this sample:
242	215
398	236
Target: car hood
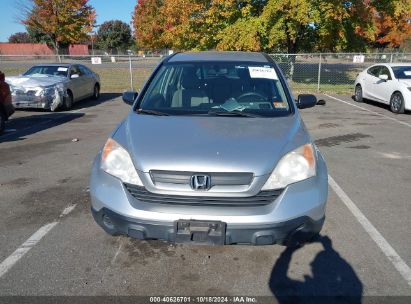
210	144
30	82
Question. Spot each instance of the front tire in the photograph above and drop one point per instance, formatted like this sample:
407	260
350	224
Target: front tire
358	94
397	105
96	92
68	101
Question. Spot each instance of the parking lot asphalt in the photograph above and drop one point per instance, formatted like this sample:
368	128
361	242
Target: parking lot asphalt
50	245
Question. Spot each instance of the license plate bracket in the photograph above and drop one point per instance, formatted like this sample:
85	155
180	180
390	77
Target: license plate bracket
200	232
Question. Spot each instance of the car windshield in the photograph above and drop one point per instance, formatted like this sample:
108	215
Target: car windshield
402	72
47	70
216	88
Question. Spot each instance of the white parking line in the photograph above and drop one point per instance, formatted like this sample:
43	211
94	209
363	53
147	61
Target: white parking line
23	249
32	241
375	235
67	210
373	112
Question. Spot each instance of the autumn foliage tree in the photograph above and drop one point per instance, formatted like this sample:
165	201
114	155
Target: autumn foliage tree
149	24
271	25
63	21
392	19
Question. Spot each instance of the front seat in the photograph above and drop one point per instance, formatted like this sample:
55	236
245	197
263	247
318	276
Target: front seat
189	94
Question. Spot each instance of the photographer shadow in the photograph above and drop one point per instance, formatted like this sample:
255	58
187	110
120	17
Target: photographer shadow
333	279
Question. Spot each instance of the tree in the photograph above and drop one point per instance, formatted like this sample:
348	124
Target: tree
342	26
392	20
231	25
287	24
246	34
272	25
178	24
148	24
62	21
38	37
20	37
114	35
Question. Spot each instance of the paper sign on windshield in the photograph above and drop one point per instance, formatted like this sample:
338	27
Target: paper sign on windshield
262	72
62	69
407	73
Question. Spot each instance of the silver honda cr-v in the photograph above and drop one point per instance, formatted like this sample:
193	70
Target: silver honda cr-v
214	151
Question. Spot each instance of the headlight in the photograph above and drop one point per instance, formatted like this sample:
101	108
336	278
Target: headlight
295	166
50	91
116	161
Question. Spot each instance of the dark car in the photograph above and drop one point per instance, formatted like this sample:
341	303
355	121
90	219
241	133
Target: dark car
6	107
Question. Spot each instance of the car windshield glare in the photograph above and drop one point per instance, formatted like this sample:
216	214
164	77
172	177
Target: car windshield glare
402	72
47	70
216	88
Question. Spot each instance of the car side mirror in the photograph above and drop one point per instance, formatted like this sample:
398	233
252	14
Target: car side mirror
74	76
383	77
306	101
129	97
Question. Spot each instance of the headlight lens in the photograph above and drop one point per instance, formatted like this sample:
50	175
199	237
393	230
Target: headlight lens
116	161
295	166
50	91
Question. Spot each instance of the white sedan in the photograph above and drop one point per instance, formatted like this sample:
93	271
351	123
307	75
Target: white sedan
386	83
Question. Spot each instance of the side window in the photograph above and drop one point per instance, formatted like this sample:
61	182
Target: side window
159	86
83	70
385	71
374	71
80	71
75	70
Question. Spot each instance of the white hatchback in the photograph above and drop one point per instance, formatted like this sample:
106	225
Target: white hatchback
388	83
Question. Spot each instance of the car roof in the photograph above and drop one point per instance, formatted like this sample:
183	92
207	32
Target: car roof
219	56
55	64
394	64
399	64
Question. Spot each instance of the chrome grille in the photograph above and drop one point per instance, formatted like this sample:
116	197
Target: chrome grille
217	179
24	95
261	199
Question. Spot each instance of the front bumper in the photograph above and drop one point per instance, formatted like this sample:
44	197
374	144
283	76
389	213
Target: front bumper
300	208
407	99
298	229
38	102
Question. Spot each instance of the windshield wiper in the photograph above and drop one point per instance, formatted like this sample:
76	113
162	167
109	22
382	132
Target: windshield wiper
151	112
233	113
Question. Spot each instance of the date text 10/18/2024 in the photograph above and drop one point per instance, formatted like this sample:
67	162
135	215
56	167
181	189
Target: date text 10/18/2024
203	299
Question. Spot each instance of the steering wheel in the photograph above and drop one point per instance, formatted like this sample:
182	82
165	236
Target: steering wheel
251	94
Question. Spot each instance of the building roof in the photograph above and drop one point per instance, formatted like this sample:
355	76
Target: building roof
219	56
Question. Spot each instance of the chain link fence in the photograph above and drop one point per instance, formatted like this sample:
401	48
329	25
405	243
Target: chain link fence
306	73
117	73
332	72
